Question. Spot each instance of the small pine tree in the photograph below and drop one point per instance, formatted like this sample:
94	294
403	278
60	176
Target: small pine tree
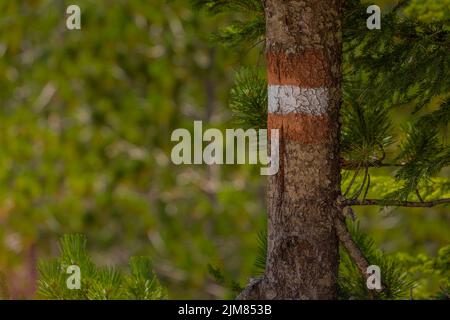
96	283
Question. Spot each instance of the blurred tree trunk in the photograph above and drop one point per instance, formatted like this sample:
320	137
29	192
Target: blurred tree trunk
304	57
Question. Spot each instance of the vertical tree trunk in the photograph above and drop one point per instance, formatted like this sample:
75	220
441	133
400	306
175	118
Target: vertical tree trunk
303	56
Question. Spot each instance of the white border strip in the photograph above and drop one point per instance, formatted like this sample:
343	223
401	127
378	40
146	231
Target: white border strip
285	99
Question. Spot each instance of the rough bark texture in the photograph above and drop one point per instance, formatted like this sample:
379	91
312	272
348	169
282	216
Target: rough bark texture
303	50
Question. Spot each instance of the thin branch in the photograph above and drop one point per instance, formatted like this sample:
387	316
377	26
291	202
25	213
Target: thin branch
352	181
367	188
358	193
352	249
418	195
348	165
395	203
389	164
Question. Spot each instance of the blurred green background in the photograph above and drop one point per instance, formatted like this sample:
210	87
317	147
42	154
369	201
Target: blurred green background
85	123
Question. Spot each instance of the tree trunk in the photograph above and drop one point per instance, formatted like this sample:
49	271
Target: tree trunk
304	58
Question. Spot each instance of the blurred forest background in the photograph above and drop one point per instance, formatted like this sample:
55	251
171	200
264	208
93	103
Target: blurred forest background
85	123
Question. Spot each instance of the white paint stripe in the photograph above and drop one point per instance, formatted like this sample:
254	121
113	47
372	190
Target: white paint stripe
284	99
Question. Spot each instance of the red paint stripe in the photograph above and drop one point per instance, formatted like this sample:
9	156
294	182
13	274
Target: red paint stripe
309	69
307	129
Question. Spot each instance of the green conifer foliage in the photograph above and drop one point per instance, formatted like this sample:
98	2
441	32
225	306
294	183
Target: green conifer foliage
97	283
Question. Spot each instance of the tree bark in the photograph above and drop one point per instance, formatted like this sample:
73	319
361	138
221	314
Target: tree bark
304	57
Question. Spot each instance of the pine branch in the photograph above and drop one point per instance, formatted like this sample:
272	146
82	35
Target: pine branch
248	99
355	253
359	250
352	249
395	203
353	165
406	63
